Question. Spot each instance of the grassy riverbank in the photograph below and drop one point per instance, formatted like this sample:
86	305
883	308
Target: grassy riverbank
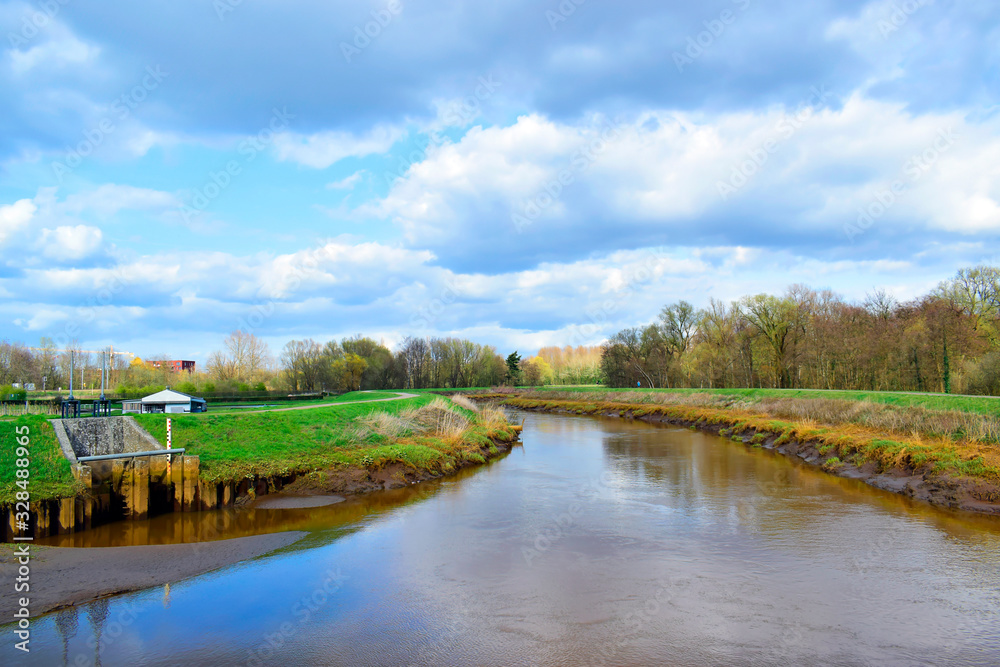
984	405
49	471
425	433
955	446
428	434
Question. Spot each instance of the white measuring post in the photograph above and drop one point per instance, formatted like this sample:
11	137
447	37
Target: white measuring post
169	441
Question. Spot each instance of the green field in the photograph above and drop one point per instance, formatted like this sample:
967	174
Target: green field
278	404
984	405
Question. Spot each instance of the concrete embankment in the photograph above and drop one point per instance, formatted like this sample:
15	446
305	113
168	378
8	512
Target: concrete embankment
130	487
899	473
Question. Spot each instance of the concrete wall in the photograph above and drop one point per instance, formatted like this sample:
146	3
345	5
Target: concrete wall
96	436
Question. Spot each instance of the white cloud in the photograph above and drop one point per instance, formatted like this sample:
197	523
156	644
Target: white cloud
15	216
326	148
347	183
817	168
62	50
70	243
111	198
43	320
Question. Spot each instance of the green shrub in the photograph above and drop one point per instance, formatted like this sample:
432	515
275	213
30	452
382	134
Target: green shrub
833	463
186	387
8	393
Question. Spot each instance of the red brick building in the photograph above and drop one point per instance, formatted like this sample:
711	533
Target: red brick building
174	366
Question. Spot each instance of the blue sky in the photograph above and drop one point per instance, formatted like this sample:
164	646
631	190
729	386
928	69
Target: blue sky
519	173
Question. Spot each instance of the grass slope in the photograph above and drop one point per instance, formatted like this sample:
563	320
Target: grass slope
236	446
50	475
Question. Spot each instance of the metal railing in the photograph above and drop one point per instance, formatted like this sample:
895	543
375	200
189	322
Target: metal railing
127	455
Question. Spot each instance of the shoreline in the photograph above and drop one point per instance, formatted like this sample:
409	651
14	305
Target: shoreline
941	490
67	576
359	481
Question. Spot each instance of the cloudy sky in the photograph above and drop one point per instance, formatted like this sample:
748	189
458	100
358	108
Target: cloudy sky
518	172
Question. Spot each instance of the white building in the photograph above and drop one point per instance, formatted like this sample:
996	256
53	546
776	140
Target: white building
166	401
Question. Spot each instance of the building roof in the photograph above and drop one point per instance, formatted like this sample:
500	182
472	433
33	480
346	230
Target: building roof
169	396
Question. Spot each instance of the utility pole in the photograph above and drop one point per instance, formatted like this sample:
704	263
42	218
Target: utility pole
104	370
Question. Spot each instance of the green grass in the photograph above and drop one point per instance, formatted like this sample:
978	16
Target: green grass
234	446
50	475
985	405
277	404
238	444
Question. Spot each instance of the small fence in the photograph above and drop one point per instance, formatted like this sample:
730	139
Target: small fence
20	409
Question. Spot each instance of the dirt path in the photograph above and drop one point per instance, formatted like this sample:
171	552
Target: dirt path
401	396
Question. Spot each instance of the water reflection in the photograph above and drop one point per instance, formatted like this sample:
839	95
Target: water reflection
599	542
228	523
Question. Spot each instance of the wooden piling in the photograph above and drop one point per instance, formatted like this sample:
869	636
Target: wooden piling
66	520
140	487
209	494
84	506
176	483
190	502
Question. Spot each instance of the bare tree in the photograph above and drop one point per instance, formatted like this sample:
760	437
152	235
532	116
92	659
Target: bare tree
244	358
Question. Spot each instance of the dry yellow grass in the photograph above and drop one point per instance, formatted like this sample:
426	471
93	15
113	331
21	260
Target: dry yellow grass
911	421
862	433
439	419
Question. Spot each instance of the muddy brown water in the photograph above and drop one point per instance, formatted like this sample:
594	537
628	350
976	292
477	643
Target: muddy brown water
600	542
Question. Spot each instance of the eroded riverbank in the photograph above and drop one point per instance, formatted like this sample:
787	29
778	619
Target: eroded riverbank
889	467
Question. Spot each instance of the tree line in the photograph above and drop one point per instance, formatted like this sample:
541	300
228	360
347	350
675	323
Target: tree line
362	363
946	341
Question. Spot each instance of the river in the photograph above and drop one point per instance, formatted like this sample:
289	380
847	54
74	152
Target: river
599	542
